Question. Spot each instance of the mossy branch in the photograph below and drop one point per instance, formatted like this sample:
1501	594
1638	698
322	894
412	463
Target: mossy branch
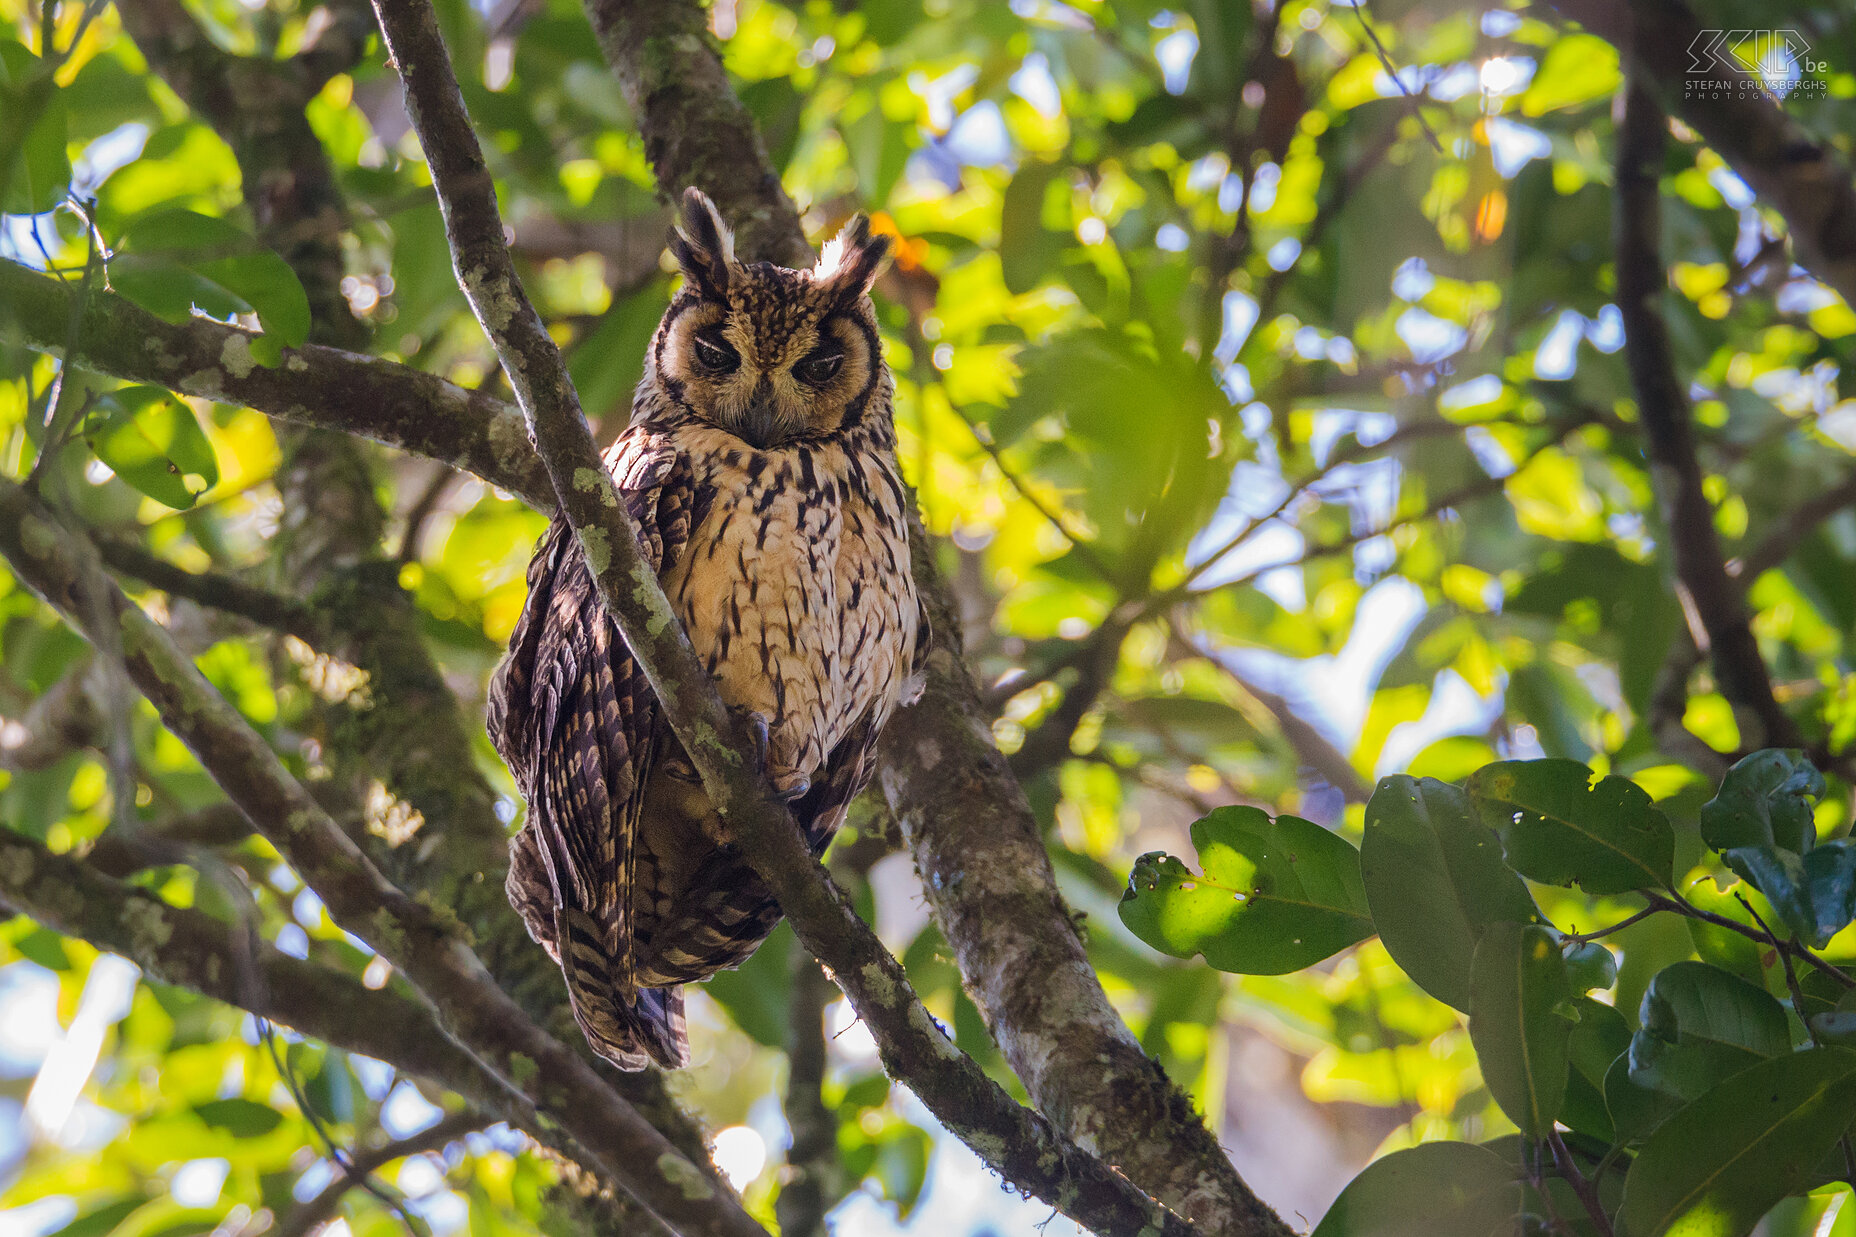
426	944
1018	1143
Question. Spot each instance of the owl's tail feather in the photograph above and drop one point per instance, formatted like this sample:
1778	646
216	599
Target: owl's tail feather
630	1032
628	1029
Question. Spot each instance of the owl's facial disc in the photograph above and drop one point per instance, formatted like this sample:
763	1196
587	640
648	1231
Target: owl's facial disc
770	375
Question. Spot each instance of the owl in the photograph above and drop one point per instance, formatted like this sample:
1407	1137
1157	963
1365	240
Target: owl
760	468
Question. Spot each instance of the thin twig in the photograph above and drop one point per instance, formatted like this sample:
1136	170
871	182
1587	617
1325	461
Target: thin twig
1587	1195
1683	906
1385	59
1580	938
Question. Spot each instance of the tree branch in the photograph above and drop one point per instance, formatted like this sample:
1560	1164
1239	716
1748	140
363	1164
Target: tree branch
190	949
65	718
696	132
807	1191
387	402
1662	404
424	943
1805	180
1016	1142
215	590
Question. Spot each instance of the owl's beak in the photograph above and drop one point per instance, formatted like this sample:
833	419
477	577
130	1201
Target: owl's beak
758	426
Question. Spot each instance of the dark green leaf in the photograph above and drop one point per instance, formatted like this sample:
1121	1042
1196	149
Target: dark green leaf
1699	1025
1590	965
1276	895
1716	1166
1027	251
1434	879
1815	894
1562	827
1599	1040
218	252
1765	800
1520	1016
153	441
33	134
240	1118
1634	1110
1440	1189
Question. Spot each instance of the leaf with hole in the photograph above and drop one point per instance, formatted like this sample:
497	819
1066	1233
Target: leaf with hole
1562	825
154	443
1275	895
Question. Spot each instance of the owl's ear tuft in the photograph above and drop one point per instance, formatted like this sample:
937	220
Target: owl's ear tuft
851	259
703	245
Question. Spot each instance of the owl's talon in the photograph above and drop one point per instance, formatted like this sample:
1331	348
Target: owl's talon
793	792
760	732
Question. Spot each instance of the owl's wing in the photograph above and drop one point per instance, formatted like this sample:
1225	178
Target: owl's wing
577	722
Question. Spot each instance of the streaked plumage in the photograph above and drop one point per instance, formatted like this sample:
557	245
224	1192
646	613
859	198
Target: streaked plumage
760	468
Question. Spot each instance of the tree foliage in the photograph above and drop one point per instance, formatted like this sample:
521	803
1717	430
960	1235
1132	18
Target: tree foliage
1318	508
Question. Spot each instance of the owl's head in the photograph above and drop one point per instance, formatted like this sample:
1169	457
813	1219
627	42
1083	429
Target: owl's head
769	354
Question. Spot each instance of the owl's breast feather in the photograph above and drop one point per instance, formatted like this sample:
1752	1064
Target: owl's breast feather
795	589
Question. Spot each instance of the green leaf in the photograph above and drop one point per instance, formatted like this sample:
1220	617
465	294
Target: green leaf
1577	68
1815	894
1599	1040
154	443
34	134
1440	1189
97	1221
1561	826
1276	895
240	1118
1700	1025
1765	800
1719	1164
1590	965
1520	1016
1027	250
1434	879
225	258
1635	1110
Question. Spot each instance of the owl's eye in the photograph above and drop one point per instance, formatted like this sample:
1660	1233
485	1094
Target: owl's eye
819	368
714	354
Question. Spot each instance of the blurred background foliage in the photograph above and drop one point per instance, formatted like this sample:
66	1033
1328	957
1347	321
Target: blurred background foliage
1272	410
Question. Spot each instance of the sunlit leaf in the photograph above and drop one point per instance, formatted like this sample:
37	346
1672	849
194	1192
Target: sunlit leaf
153	441
1274	896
